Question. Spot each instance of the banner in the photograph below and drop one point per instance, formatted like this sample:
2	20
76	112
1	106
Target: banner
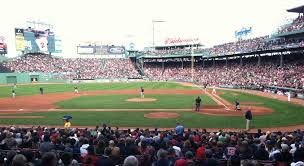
58	46
116	50
243	32
19	38
85	49
181	41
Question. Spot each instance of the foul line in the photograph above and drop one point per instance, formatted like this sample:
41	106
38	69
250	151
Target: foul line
214	98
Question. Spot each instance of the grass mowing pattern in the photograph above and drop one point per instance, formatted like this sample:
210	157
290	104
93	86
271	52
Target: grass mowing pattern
284	113
169	101
23	90
127	119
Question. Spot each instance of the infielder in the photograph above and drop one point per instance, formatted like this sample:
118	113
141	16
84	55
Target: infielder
237	105
288	96
205	87
76	89
213	90
142	92
41	90
13	93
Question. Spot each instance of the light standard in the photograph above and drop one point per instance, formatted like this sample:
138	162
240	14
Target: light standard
154	21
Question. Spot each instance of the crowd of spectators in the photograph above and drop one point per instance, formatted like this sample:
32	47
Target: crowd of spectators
241	46
106	146
73	68
269	73
296	24
119	68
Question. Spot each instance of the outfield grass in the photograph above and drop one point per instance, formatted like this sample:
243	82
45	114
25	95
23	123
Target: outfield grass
164	101
22	90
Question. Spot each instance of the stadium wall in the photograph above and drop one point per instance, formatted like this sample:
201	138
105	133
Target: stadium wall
24	78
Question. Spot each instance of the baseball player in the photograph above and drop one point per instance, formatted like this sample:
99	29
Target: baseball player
41	90
248	117
76	89
205	87
198	101
13	93
288	96
15	85
237	105
213	90
142	92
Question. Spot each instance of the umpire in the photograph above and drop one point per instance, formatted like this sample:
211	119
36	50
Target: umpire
198	101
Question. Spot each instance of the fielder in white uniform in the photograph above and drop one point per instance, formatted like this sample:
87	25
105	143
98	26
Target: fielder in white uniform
142	92
76	89
213	90
13	93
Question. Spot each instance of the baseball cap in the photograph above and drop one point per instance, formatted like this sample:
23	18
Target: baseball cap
180	162
299	163
200	152
189	155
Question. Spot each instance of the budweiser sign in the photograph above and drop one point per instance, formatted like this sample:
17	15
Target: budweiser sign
179	41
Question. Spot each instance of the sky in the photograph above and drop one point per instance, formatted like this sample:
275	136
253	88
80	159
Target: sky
120	22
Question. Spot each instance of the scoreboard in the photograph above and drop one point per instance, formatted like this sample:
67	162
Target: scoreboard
34	41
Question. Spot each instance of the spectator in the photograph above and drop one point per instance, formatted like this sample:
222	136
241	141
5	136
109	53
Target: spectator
49	159
105	158
179	129
130	161
19	160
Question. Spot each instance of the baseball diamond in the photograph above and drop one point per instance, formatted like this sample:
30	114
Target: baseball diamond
152	83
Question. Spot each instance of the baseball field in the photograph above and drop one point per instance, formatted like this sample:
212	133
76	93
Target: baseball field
119	104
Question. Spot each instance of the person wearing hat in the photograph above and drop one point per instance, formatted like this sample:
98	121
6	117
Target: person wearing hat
248	117
67	124
198	101
41	90
237	105
189	158
13	93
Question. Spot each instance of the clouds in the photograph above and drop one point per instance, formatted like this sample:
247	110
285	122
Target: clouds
112	21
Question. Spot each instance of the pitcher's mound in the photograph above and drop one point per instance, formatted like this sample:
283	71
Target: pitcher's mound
157	115
141	99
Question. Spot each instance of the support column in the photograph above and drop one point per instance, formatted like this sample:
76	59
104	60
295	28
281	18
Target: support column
281	60
203	63
226	61
213	62
259	60
241	60
182	63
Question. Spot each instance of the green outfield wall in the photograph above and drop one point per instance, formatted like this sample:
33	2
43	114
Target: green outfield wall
22	78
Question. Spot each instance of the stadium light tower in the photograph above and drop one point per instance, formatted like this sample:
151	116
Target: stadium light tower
153	22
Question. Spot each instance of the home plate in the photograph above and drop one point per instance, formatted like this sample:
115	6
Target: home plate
20	109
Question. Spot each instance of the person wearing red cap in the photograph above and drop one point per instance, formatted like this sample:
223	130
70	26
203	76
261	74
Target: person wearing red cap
180	162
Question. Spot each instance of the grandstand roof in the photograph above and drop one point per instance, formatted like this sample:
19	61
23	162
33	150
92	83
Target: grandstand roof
299	9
